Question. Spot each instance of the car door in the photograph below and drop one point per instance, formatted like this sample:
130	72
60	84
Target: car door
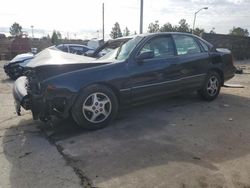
156	75
193	60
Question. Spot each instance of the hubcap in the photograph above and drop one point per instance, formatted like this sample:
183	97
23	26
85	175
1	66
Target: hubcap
97	107
212	86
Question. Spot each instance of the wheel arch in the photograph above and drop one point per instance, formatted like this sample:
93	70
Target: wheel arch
76	106
111	87
220	72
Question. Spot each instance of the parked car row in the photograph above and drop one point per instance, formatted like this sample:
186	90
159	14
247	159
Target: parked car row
15	68
74	48
144	66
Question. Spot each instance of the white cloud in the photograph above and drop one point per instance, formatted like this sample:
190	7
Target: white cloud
84	17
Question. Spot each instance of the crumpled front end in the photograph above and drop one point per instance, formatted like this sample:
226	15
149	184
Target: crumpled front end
20	93
25	98
42	102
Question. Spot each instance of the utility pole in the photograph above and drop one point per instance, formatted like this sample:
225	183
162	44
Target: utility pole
103	22
32	31
141	18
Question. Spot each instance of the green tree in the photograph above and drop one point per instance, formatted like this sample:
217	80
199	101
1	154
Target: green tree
16	30
183	26
167	27
154	27
54	38
59	35
116	31
126	32
238	31
198	31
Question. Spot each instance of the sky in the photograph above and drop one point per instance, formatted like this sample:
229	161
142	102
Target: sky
83	18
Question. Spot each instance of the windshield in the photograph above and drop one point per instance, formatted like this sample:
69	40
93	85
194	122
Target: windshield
125	50
109	56
104	51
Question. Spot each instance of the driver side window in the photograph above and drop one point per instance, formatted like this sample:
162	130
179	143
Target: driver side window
162	47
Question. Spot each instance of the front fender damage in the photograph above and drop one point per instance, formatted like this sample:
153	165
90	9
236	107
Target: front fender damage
42	107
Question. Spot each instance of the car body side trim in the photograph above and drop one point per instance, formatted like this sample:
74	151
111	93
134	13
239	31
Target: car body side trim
127	89
160	83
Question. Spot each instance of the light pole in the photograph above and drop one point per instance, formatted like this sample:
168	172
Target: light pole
205	8
141	18
103	22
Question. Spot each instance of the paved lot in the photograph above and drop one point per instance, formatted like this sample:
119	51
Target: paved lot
177	142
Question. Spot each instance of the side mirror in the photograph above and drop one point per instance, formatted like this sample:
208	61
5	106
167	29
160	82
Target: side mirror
145	55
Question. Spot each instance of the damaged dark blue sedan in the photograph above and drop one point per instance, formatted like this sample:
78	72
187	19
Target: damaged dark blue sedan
146	66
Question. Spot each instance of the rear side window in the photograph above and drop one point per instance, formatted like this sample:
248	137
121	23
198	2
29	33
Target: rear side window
161	46
186	45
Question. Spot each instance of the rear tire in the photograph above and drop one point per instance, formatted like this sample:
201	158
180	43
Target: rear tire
95	107
211	86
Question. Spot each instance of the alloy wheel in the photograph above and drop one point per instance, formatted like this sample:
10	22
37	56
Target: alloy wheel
97	107
212	85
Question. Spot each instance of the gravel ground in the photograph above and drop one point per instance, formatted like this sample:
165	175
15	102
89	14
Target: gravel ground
27	158
177	142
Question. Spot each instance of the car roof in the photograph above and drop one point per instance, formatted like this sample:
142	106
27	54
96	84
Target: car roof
153	34
172	33
79	45
164	33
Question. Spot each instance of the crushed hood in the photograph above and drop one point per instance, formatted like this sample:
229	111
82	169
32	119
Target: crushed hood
51	56
51	62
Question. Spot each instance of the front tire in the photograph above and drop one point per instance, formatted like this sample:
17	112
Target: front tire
211	87
95	107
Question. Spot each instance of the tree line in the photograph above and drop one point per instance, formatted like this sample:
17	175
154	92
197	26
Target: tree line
116	32
182	26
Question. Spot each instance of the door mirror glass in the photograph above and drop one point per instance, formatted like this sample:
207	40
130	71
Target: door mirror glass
145	55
